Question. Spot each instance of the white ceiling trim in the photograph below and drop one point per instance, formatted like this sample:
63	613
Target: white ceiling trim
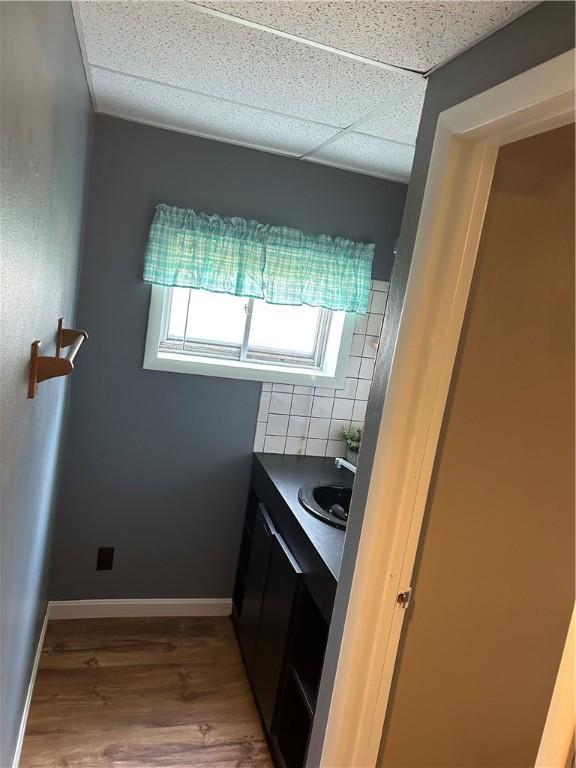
353	127
303	40
223	99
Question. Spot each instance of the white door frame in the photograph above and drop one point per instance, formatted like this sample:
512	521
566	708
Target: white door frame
557	742
458	186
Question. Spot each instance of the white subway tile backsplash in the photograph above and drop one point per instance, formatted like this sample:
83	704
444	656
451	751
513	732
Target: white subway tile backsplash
259	436
315	447
277	424
319	427
353	366
359	410
363	389
367	368
274	444
298	426
301	390
378	302
349	389
342	408
374	326
322	406
357	344
324	391
336	427
301	405
295	445
280	402
336	448
264	406
370	346
300	419
361	323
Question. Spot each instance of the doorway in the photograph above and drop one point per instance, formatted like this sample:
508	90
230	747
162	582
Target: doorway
494	577
460	174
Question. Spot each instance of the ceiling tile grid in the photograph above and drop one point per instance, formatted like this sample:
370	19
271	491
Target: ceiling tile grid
412	35
282	76
163	105
176	44
367	154
400	121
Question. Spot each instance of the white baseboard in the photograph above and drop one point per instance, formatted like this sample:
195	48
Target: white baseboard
29	692
106	609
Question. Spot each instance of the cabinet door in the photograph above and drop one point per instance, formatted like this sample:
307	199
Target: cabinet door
256	576
275	616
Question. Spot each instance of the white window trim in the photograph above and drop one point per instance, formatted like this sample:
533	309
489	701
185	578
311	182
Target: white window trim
332	375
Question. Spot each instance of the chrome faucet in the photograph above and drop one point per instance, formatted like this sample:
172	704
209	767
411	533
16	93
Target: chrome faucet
343	464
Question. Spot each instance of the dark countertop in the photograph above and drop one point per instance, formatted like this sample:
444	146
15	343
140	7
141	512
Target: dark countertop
288	474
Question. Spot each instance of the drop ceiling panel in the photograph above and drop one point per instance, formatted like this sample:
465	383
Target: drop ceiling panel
401	120
415	35
173	64
173	43
367	154
161	105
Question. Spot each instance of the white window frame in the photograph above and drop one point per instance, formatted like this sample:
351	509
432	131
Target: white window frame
332	373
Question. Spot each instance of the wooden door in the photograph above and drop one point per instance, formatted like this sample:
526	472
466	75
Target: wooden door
494	577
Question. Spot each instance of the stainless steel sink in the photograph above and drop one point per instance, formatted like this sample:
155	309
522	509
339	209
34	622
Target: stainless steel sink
330	502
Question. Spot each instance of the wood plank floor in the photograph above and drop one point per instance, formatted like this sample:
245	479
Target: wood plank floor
143	693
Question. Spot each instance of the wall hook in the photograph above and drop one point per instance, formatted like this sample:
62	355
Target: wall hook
44	367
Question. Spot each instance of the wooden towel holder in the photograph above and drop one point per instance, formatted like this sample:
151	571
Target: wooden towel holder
44	367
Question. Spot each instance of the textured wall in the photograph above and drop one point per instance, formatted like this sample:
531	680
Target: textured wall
157	464
44	127
539	35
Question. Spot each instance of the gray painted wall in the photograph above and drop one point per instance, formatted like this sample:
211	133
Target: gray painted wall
44	127
157	464
541	34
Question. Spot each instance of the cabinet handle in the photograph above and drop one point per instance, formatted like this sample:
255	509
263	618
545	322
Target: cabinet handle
289	556
268	524
271	531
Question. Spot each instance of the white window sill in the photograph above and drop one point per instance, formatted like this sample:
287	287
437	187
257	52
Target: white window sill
236	369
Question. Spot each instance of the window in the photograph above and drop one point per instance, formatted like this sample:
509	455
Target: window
217	334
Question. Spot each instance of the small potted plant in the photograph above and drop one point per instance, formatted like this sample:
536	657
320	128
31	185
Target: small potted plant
352	437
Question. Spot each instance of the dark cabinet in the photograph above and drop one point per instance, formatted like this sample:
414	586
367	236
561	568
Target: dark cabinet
255	584
282	634
277	606
263	619
296	702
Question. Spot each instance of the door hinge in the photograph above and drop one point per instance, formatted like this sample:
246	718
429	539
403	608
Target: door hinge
404	598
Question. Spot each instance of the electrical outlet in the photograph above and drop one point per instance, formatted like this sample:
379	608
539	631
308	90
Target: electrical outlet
105	558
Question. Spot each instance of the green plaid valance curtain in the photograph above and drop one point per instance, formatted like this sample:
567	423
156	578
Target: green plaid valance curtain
281	265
